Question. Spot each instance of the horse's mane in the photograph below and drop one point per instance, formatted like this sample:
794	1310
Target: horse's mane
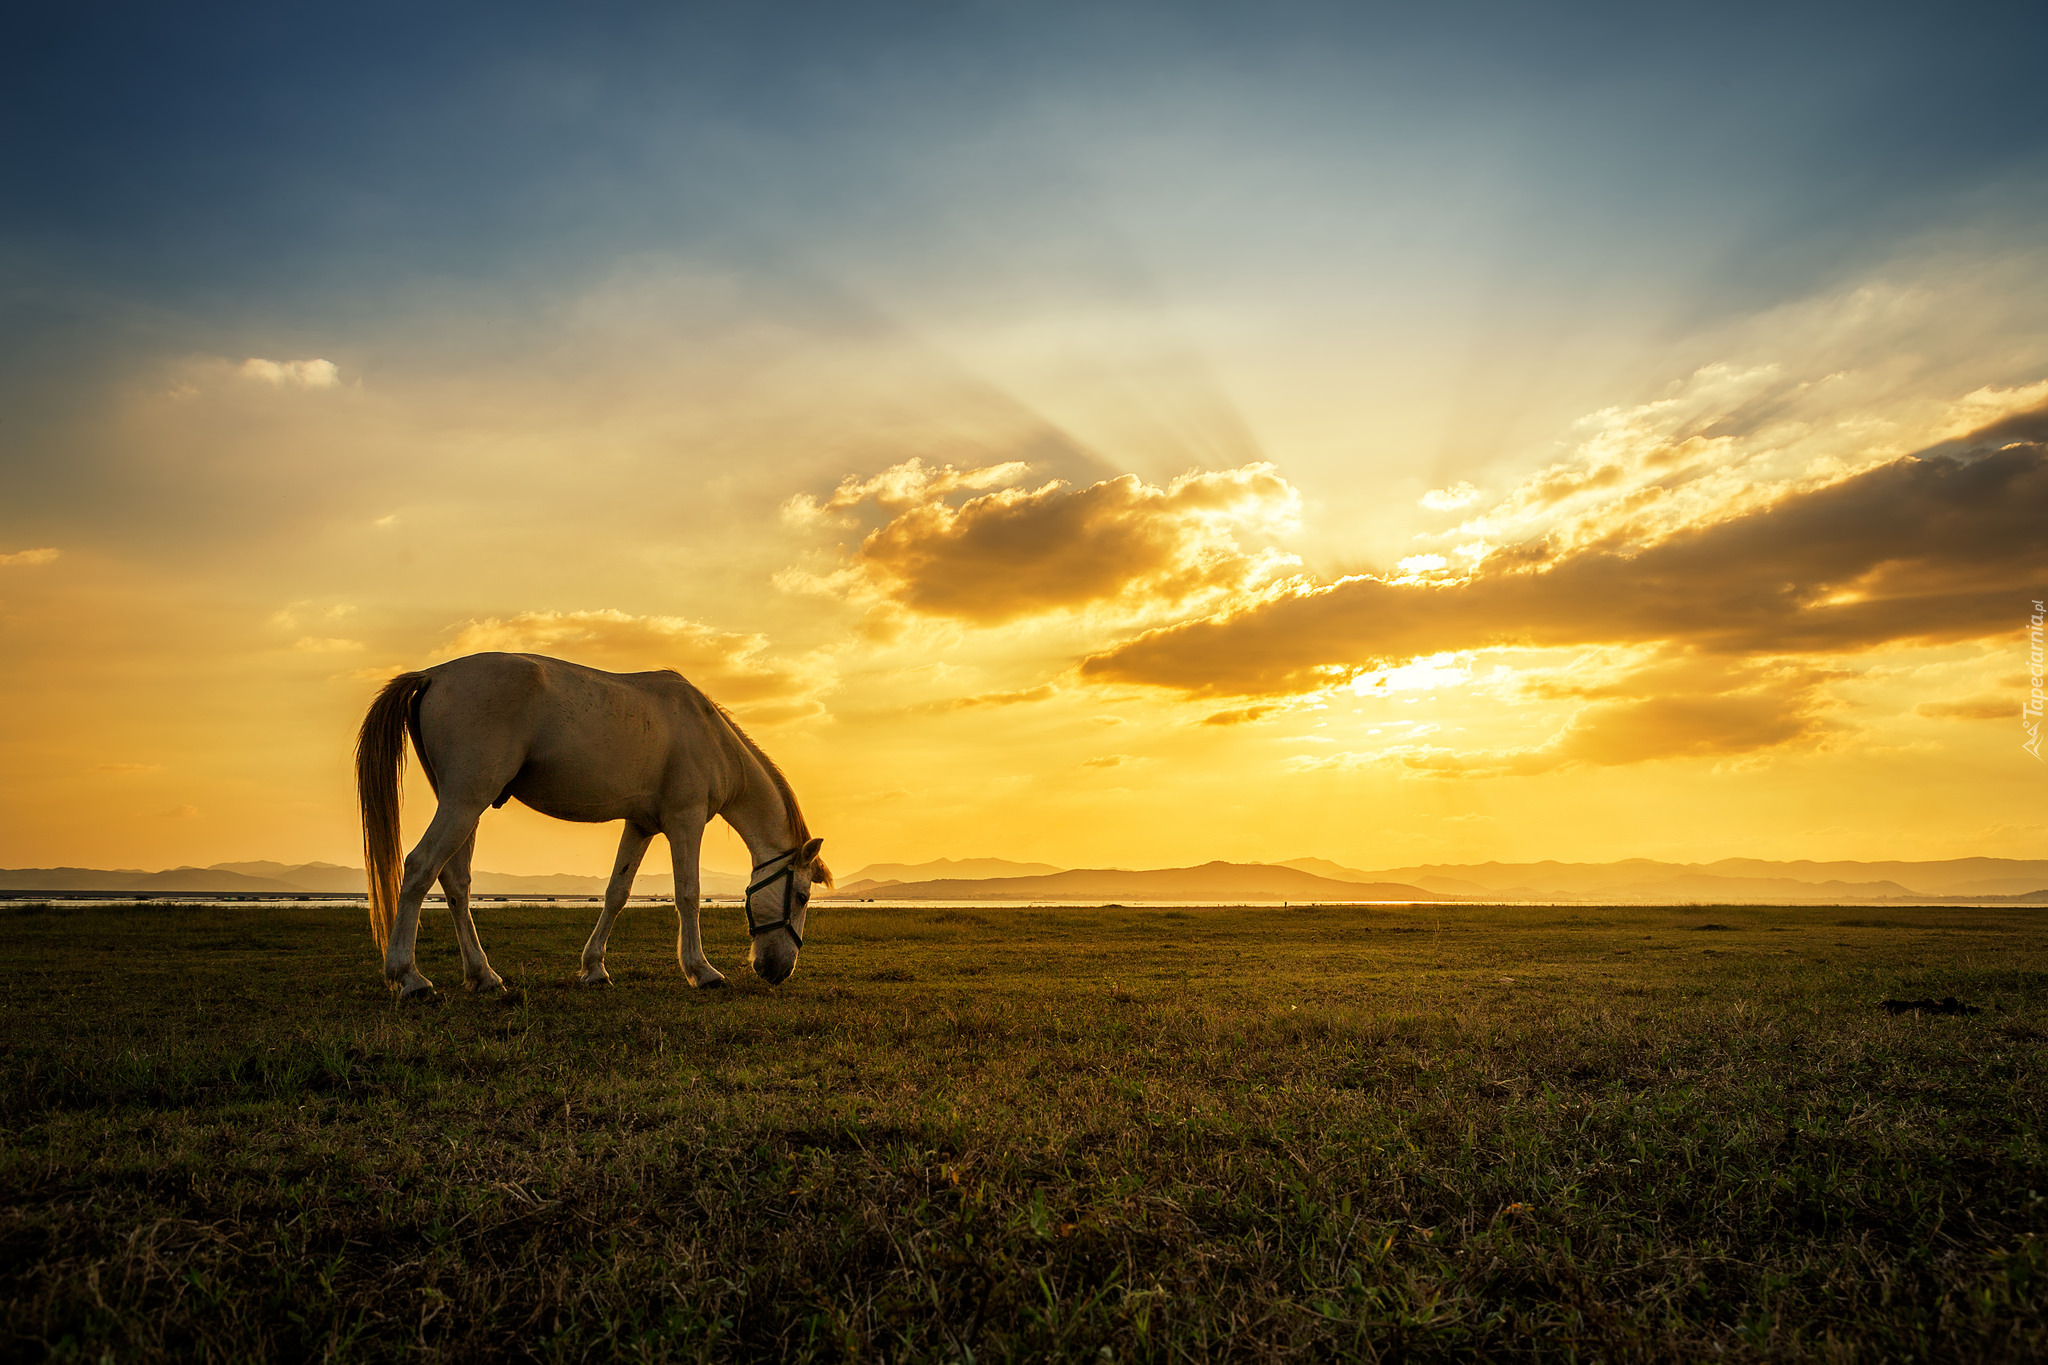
798	826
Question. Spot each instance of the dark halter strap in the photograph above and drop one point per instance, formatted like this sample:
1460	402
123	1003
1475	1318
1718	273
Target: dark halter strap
787	876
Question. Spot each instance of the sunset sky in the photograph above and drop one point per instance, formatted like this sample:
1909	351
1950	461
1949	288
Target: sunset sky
1105	435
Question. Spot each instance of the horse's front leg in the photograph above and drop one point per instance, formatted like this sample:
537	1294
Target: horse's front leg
476	968
684	840
632	848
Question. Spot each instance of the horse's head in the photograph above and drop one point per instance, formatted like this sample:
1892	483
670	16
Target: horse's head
778	904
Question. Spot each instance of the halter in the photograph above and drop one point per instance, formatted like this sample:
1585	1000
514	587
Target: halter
787	876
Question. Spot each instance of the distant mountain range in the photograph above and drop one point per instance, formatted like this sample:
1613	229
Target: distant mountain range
1737	880
1642	880
1210	881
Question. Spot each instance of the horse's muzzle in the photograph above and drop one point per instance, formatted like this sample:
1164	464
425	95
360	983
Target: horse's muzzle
774	968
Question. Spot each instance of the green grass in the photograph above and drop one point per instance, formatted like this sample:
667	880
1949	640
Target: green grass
1136	1134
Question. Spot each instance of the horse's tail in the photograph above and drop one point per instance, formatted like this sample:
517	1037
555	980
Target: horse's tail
380	760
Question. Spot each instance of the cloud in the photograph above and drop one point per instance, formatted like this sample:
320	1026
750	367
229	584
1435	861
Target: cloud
1679	705
179	813
128	767
328	645
729	667
1121	544
1243	715
292	615
898	487
1990	707
1987	406
298	374
24	559
1346	761
1611	733
1431	673
1042	692
1450	499
1935	547
1110	761
1719	444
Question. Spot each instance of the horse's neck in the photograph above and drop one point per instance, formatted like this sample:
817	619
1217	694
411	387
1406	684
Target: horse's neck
758	813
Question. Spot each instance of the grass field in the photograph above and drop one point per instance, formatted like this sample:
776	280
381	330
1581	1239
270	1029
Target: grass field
1132	1134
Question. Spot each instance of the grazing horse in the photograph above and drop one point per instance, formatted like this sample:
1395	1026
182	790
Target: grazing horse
578	744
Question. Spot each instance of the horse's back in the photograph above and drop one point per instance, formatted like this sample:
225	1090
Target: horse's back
496	681
568	739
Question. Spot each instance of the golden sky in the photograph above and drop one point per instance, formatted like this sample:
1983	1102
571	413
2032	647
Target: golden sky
1180	451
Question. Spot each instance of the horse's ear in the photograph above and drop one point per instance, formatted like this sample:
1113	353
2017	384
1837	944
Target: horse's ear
811	849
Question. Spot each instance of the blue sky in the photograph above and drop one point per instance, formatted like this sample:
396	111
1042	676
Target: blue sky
221	157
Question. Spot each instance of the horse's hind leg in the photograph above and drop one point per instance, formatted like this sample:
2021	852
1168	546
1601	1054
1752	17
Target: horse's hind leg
632	848
452	827
476	968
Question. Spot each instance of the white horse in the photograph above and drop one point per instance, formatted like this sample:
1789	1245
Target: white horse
578	744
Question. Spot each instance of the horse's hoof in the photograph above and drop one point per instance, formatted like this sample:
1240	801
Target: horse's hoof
417	995
601	979
715	983
486	987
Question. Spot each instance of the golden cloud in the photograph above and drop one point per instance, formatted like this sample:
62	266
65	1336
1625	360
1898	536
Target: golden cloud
729	667
1721	444
1243	715
1991	707
1120	545
899	486
1611	733
1450	499
27	558
1688	705
1685	706
300	374
1042	692
1923	548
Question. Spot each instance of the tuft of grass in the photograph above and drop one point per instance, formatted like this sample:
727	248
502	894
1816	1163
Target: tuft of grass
1239	1134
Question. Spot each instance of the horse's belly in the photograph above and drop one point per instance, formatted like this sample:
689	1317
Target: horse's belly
590	796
